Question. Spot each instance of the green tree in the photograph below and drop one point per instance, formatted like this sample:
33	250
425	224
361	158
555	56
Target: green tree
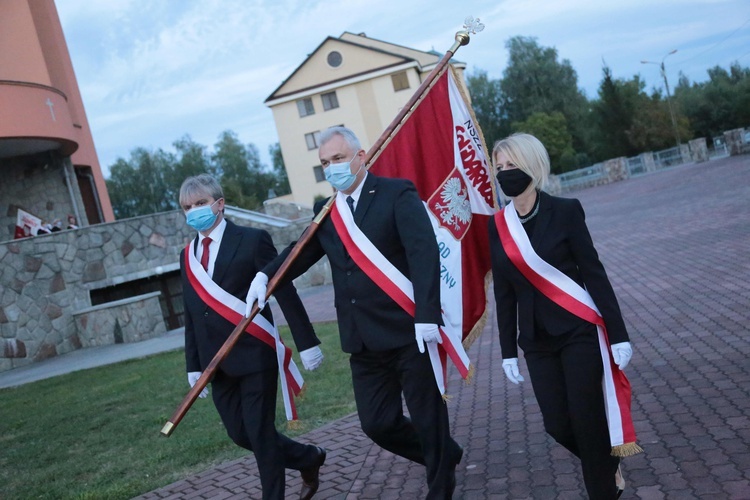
487	103
191	159
282	186
245	180
150	181
719	104
139	186
535	81
613	115
552	131
651	128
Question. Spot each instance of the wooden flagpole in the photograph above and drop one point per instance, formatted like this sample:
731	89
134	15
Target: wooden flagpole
461	38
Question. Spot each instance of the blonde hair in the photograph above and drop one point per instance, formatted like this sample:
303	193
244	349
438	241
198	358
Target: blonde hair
528	154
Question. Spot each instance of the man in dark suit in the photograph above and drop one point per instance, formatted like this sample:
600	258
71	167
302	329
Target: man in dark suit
385	342
245	384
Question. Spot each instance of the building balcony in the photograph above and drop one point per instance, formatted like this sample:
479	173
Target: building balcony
35	118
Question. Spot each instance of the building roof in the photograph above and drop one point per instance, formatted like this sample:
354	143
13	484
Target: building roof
363	56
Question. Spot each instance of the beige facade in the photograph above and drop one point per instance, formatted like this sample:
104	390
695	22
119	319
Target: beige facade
353	80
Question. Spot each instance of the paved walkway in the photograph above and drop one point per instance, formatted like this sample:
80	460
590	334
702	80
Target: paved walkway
677	248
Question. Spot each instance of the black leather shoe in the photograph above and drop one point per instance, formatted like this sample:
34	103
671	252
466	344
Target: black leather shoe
311	475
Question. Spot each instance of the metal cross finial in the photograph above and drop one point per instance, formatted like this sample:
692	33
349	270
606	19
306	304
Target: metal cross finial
472	25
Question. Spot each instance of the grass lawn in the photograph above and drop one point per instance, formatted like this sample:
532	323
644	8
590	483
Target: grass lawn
96	433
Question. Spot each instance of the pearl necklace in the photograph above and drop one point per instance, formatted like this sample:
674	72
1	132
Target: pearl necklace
533	212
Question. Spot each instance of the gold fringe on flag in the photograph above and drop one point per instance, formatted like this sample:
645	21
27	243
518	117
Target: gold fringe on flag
470	375
302	392
626	450
293	425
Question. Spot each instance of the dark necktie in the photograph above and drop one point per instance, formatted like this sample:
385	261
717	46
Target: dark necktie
204	257
350	202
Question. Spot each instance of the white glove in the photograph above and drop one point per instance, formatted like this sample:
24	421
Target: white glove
621	353
257	292
510	366
312	358
193	378
427	332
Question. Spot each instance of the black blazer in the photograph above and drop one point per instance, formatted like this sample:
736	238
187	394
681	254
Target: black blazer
243	252
390	213
562	239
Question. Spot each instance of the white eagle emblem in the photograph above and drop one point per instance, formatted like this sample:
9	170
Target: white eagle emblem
456	208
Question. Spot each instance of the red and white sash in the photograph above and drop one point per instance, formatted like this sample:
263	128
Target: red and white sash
399	288
566	293
232	309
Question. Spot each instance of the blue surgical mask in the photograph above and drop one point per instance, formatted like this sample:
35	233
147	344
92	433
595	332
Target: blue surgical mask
340	174
201	218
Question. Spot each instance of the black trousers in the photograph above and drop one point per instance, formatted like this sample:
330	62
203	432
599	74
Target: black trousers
379	379
566	373
247	406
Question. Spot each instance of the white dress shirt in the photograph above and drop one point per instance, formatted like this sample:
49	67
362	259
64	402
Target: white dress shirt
356	194
213	247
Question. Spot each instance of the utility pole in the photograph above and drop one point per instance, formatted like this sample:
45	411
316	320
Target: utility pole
669	96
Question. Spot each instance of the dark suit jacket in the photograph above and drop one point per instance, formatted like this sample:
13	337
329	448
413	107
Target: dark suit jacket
562	239
243	252
390	213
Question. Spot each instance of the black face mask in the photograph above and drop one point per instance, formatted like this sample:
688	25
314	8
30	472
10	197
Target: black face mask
513	181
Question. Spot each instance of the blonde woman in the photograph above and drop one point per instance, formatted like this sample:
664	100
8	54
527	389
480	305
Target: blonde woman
545	271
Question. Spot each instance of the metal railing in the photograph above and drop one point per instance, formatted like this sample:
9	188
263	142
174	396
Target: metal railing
718	151
588	176
641	164
636	166
667	158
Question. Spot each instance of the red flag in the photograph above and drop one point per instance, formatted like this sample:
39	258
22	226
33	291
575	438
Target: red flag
440	148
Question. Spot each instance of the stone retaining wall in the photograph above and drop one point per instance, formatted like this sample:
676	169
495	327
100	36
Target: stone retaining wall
128	320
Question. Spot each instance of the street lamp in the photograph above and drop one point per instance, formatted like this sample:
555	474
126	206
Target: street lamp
669	97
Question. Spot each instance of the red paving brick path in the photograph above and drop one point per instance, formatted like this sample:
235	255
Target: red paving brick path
676	245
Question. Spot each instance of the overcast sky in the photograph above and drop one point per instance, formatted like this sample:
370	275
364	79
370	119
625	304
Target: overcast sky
151	71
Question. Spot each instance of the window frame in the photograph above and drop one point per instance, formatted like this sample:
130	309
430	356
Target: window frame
318	173
312	140
327	97
405	81
302	107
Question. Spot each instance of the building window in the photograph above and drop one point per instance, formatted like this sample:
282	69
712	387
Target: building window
334	59
329	101
305	107
313	140
400	81
319	175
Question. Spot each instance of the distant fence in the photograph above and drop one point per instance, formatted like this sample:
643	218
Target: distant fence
718	151
583	177
734	142
636	165
669	158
